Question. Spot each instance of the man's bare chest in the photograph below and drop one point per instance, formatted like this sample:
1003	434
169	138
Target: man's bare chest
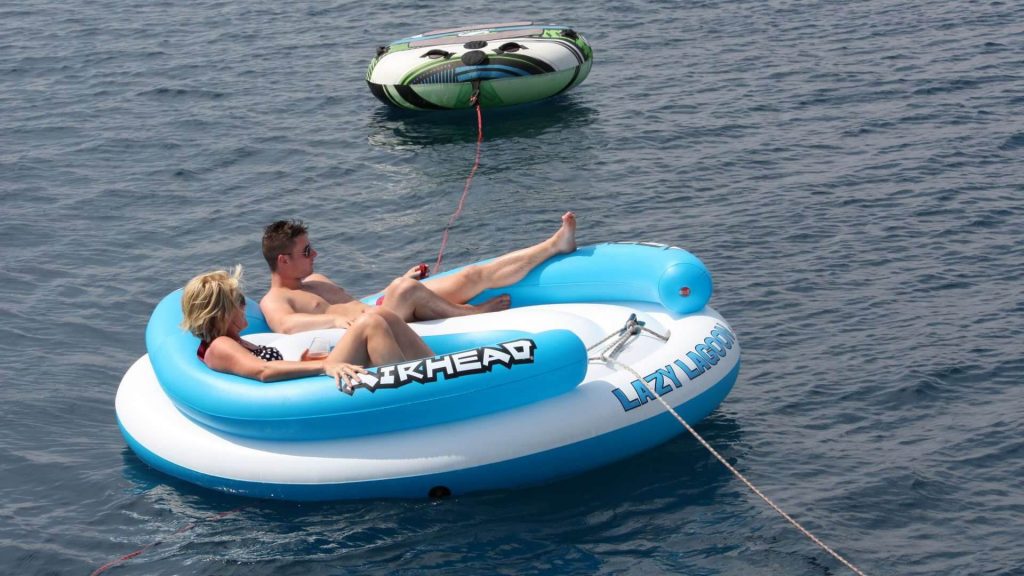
324	294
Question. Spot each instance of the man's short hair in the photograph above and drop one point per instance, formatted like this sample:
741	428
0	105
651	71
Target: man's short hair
279	238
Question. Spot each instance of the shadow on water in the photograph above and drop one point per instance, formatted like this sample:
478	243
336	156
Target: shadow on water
680	469
652	493
395	128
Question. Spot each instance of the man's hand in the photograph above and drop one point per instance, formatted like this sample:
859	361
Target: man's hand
418	272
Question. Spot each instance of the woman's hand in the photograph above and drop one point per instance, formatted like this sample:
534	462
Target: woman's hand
345	375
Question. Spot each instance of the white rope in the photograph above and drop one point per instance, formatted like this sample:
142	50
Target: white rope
633	328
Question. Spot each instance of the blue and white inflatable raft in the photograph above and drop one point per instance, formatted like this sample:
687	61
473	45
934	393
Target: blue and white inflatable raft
512	398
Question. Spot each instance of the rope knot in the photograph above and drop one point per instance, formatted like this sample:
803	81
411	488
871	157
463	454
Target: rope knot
474	97
633	326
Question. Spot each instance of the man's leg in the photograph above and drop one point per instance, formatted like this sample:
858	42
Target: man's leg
504	270
411	301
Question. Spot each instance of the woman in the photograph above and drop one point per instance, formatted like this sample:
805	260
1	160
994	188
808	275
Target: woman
214	310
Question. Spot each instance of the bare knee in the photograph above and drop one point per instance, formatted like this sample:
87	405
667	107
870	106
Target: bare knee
401	287
389	316
369	322
473	275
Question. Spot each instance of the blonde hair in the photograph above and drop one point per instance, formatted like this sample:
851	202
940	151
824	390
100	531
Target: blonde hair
209	300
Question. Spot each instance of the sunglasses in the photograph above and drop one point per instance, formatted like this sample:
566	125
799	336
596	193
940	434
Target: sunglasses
241	300
305	251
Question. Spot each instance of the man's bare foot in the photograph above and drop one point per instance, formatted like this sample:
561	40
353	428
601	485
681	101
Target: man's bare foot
564	240
496	304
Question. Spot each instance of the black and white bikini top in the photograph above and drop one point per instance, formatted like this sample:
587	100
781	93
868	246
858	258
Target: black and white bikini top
267	353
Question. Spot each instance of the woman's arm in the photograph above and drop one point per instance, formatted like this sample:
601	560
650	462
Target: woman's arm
345	375
228	355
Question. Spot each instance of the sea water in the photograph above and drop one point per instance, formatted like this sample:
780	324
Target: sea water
851	173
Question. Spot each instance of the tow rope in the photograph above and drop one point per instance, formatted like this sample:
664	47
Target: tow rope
181	530
628	333
474	99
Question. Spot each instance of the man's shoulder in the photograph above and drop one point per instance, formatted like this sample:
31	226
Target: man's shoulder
276	293
318	278
276	297
314	287
323	287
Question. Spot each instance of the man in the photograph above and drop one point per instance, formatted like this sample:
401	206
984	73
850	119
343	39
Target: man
300	299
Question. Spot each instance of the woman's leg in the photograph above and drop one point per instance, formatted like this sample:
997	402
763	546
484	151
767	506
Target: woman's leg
368	342
408	340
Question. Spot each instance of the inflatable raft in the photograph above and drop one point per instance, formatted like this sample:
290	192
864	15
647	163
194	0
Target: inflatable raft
563	382
493	64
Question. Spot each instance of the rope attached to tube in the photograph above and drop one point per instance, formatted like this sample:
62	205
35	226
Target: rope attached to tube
475	101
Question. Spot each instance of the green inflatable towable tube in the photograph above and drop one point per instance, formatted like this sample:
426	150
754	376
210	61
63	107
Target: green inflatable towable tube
492	64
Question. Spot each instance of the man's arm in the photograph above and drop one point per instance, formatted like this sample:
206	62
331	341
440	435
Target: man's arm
300	322
282	317
418	272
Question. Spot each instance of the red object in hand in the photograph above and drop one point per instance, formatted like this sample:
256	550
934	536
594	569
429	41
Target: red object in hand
424	270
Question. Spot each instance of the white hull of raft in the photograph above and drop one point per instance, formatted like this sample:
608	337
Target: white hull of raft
550	388
605	418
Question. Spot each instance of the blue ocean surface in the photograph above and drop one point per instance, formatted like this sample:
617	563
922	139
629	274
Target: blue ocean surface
851	172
